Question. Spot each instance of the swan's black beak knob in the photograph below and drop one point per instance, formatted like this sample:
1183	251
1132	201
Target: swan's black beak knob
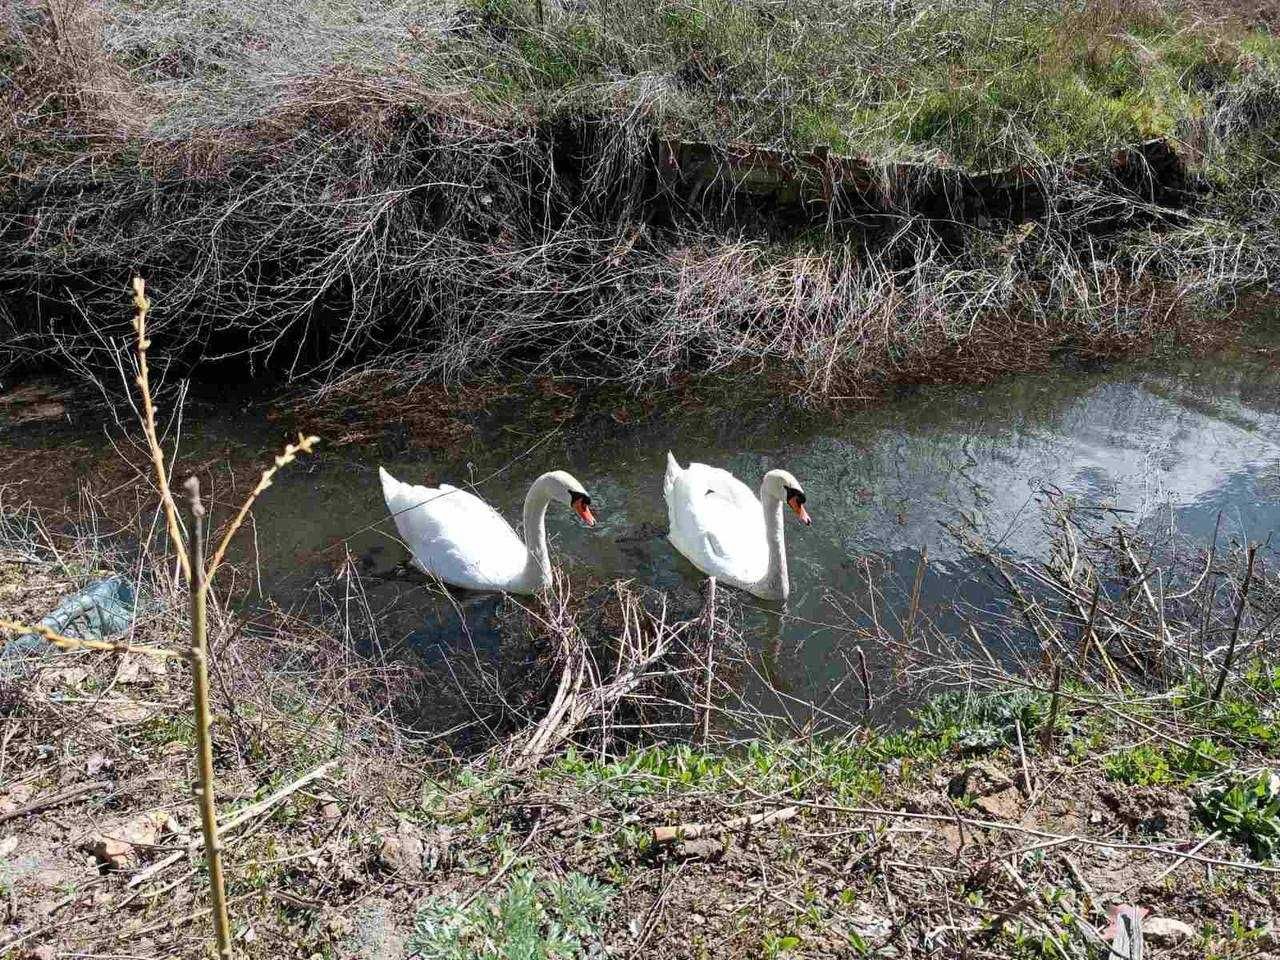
796	502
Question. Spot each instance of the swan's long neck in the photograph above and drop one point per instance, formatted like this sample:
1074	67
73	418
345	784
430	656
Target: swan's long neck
538	571
775	579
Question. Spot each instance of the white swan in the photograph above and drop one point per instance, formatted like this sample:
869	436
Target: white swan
724	531
459	538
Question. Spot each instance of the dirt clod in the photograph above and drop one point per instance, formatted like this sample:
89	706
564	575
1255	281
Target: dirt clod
978	780
1004	805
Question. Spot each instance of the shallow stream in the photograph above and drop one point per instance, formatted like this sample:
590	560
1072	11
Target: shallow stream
1174	443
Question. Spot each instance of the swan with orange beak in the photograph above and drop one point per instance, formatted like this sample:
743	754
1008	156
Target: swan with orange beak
456	536
725	531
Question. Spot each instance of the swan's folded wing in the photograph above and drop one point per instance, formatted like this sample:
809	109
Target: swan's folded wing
718	528
457	536
735	537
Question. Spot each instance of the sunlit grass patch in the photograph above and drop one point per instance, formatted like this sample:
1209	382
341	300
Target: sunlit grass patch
952	81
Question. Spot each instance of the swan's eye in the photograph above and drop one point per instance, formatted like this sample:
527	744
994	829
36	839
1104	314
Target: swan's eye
795	496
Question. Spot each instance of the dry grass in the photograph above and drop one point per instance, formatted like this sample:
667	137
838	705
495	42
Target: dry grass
413	192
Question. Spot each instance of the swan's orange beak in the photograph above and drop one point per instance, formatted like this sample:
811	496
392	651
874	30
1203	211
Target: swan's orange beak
582	507
796	502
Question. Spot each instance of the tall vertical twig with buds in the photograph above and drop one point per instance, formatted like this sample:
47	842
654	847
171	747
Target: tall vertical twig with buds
192	563
204	788
142	306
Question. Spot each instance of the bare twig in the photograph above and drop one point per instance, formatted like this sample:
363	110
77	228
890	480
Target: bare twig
204	789
1242	603
710	669
76	643
148	420
290	453
44	803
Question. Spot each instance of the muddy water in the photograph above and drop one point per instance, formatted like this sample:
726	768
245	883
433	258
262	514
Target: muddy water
1175	444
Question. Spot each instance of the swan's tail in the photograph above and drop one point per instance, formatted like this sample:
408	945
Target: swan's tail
391	488
673	471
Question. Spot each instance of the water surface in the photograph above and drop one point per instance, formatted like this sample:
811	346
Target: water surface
1174	444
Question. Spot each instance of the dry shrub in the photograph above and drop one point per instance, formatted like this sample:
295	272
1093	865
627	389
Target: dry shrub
315	187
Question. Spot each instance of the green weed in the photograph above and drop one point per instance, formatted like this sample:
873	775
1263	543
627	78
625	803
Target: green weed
531	919
1246	809
979	723
1148	765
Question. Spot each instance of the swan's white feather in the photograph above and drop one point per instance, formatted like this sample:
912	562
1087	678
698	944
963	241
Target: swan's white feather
456	536
717	523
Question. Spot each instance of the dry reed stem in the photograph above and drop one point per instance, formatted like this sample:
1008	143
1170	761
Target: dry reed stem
75	643
692	831
143	381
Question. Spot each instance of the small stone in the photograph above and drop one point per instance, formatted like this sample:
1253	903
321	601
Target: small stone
123	846
97	762
401	852
1166	932
331	811
44	952
8	845
112	854
130	671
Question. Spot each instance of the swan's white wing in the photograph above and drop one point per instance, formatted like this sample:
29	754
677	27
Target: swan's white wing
716	522
455	535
